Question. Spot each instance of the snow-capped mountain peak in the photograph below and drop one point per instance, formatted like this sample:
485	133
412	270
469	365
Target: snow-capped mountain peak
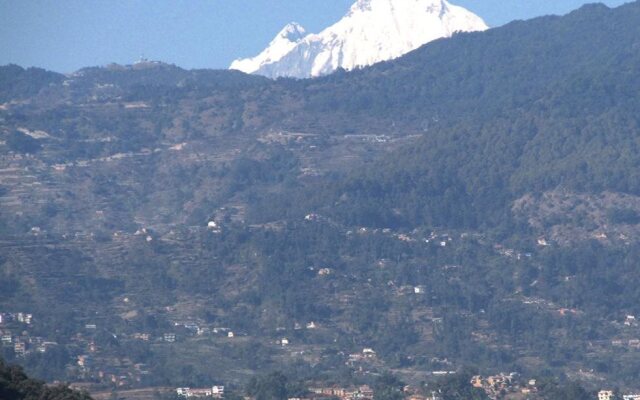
280	46
293	32
368	5
371	31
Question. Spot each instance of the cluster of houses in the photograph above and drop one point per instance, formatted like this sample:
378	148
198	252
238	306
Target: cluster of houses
193	329
610	395
91	365
357	393
20	317
100	368
216	392
363	392
496	385
121	374
181	330
366	354
434	238
23	343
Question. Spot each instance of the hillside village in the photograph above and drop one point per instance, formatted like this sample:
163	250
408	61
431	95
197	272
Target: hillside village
93	362
504	387
94	368
448	218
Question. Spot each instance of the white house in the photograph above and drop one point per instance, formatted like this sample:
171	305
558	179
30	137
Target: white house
214	391
605	395
218	390
543	242
368	353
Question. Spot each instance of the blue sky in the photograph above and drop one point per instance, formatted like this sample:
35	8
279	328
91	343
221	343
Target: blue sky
65	35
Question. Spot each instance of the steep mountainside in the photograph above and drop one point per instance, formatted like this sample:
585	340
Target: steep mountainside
372	31
476	201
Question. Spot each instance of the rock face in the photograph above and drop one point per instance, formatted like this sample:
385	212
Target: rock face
372	31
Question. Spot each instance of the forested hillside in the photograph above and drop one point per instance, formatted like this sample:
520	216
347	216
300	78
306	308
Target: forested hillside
526	108
474	203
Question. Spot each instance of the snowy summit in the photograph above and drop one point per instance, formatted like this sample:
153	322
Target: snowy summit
283	43
372	31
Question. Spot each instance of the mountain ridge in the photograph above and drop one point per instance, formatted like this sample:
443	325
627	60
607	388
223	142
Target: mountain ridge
370	32
336	200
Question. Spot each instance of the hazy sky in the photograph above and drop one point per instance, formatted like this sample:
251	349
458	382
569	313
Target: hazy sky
65	35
